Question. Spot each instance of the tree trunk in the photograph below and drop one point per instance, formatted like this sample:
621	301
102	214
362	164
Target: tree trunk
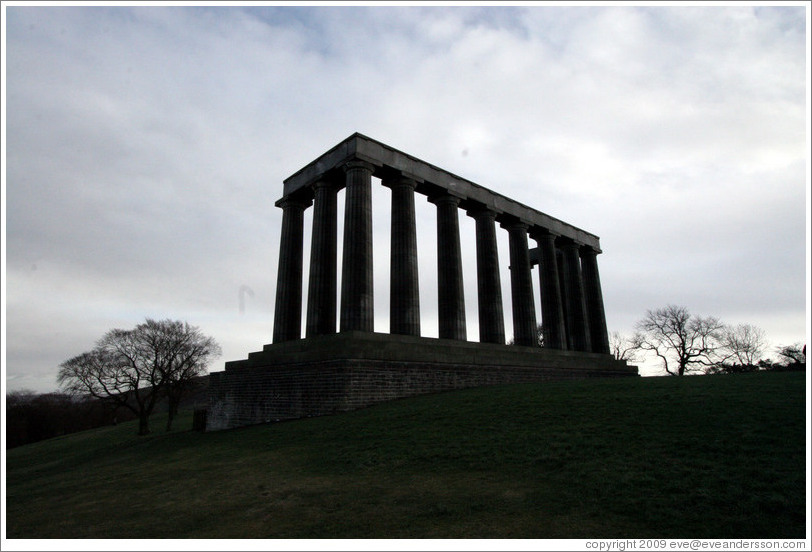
143	424
172	412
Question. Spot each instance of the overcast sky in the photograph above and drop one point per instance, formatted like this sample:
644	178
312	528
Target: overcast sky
146	146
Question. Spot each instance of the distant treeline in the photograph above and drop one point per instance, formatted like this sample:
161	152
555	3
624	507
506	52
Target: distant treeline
32	417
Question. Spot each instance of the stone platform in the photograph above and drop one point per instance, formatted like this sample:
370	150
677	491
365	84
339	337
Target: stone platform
346	371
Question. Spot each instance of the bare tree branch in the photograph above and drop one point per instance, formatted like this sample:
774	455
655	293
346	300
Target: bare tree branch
684	343
134	368
623	348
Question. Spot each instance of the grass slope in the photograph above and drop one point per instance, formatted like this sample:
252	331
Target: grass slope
712	457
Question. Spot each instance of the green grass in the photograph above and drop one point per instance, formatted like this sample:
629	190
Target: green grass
703	457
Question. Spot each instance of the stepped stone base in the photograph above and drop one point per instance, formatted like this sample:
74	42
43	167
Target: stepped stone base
350	370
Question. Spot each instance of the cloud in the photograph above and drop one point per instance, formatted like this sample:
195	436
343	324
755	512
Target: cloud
146	147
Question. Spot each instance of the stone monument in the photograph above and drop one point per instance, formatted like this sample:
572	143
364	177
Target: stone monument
341	364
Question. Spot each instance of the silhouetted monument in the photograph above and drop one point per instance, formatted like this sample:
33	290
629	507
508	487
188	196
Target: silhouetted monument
330	371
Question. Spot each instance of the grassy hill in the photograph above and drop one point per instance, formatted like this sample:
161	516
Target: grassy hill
713	457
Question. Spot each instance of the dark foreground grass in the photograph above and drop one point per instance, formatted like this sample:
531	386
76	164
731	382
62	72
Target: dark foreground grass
704	457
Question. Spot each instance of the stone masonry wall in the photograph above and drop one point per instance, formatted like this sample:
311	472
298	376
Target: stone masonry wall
254	395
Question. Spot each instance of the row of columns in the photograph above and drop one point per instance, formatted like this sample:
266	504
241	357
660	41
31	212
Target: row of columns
571	300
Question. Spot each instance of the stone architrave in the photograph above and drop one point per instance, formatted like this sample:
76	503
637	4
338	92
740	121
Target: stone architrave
577	327
357	302
322	289
404	290
287	324
450	292
596	316
552	311
489	285
521	285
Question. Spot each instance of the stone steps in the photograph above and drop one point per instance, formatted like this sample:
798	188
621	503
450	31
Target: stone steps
396	348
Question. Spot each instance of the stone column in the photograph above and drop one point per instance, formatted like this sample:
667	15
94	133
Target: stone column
489	284
563	285
356	269
593	299
521	286
404	294
287	323
449	269
575	311
552	311
321	291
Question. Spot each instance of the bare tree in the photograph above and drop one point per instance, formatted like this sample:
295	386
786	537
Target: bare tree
187	352
117	372
133	369
622	347
793	355
684	343
742	345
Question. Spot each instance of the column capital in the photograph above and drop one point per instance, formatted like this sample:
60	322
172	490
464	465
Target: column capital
292	201
564	242
353	164
513	223
399	181
481	212
539	233
589	250
323	183
444	199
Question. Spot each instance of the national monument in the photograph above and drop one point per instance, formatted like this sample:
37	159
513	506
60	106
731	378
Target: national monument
341	364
